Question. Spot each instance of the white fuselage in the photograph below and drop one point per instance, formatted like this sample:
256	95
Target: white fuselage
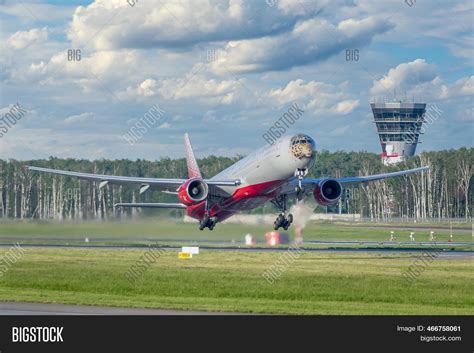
268	163
263	175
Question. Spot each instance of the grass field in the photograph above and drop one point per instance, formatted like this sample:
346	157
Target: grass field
315	283
232	282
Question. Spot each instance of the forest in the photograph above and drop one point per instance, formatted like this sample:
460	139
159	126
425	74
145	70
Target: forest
445	191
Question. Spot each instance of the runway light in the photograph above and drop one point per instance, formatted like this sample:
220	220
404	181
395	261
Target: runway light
392	236
432	236
275	238
250	240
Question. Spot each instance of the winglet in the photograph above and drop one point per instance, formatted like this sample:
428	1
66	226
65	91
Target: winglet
193	168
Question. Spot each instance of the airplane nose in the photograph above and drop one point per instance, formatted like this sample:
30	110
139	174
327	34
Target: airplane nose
306	151
302	146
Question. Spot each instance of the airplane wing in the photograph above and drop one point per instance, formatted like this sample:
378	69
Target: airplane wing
144	184
357	180
365	179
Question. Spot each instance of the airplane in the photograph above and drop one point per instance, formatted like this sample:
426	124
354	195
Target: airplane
274	173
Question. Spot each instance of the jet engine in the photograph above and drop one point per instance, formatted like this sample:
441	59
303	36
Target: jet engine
193	191
328	192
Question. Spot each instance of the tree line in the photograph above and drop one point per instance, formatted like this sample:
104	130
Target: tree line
445	191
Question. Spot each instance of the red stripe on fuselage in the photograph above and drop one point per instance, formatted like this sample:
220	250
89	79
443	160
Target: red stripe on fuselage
244	198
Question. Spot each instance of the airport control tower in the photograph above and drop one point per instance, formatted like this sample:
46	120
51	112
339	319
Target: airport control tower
398	125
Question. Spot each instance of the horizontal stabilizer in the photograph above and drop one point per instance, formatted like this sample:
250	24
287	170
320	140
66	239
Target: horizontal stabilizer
151	205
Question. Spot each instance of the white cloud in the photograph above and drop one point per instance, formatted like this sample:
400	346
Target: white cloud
310	41
419	79
461	88
101	65
156	23
345	107
301	7
164	126
196	86
79	118
406	77
319	96
190	86
297	90
147	88
448	24
23	39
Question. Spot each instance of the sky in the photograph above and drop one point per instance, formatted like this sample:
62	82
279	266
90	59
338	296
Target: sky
126	79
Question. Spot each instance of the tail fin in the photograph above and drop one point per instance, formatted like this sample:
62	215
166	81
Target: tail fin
193	168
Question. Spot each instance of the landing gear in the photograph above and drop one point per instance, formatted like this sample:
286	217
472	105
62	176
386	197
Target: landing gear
209	222
282	220
300	191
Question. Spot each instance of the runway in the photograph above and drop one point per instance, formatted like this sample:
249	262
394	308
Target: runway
333	248
66	241
21	308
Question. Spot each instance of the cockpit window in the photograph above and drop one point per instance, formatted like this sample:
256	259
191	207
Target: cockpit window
302	146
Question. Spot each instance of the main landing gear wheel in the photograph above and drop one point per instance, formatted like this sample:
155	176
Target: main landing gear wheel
288	221
209	222
283	222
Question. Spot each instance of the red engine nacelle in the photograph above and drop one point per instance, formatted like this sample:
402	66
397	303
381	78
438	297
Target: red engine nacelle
193	191
328	192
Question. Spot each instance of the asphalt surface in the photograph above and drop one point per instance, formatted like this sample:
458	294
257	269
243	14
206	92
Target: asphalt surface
96	239
372	247
21	308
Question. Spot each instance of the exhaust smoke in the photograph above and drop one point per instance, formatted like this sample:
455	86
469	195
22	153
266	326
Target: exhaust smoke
301	215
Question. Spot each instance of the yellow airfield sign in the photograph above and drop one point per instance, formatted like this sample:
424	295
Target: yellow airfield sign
185	255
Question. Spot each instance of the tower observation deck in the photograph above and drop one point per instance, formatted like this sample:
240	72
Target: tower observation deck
398	125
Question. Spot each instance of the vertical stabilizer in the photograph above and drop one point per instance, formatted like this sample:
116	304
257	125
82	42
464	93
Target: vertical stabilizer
193	168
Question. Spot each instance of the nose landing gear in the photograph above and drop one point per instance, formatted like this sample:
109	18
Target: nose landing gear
300	191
